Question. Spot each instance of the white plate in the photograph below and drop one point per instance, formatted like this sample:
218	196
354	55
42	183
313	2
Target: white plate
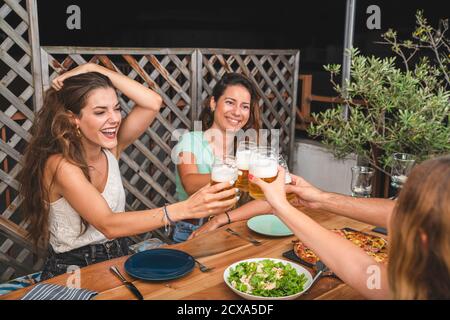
247	296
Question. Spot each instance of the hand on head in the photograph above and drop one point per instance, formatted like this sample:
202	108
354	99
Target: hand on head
58	82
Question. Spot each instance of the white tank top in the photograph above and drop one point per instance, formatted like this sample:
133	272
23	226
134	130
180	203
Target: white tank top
65	223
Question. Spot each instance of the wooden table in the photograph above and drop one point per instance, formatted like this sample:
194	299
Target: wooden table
216	249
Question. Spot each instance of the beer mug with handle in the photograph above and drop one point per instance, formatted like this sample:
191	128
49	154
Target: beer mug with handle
263	165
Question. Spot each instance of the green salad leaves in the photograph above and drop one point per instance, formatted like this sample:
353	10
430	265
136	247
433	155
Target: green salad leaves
266	278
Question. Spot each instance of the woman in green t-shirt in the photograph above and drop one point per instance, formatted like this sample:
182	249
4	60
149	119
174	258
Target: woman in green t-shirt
232	109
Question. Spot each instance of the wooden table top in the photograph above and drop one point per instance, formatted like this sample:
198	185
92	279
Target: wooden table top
217	249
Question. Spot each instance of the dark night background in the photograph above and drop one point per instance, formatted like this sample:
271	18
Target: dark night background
314	27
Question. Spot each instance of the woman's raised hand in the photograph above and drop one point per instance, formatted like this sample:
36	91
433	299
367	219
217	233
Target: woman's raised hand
275	192
307	194
58	82
211	200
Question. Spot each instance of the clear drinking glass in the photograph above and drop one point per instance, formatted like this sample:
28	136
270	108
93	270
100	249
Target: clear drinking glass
401	167
243	154
263	165
224	169
287	179
362	181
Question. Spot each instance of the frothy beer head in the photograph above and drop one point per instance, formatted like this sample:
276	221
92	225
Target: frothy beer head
264	168
223	173
243	159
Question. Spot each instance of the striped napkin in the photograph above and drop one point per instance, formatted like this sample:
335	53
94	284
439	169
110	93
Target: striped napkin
55	292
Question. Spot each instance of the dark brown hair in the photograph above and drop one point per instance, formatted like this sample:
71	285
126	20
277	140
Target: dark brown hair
419	248
232	79
54	132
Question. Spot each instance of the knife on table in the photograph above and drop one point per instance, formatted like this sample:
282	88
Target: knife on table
127	284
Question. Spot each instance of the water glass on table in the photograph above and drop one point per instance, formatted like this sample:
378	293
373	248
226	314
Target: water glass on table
362	181
402	164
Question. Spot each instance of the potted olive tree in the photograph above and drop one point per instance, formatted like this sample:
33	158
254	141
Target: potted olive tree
393	109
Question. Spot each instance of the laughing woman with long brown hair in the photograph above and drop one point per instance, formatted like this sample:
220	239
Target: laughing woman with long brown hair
419	232
73	197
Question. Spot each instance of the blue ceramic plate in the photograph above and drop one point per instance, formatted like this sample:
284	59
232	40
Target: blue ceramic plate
269	225
159	264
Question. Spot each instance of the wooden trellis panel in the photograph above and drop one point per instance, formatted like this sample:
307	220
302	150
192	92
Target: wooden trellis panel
20	94
274	74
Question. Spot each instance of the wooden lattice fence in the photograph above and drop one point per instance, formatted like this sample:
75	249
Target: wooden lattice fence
183	77
20	92
274	75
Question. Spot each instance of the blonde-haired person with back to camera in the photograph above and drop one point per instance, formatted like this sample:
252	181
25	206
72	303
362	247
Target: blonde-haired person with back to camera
73	197
418	264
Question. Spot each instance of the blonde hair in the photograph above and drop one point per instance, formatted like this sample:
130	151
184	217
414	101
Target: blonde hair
419	256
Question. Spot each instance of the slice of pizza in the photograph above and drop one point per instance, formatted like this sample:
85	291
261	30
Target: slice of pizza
375	247
304	253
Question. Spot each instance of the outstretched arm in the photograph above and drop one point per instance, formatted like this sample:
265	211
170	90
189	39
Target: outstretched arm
247	211
369	210
346	260
350	263
87	201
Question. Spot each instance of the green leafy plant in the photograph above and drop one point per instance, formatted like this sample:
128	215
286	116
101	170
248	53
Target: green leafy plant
391	109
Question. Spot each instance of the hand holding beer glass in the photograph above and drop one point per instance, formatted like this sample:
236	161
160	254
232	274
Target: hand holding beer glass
263	165
224	169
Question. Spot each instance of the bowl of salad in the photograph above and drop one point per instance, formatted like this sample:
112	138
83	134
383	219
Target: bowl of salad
267	279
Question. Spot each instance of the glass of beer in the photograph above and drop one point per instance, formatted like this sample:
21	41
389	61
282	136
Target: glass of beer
263	165
243	154
224	169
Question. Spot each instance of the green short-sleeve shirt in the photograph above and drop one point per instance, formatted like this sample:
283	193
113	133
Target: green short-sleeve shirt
195	143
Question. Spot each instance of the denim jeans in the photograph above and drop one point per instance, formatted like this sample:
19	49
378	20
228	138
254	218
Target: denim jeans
183	230
58	263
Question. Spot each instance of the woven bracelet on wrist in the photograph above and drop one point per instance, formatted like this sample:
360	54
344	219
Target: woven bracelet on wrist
228	216
166	214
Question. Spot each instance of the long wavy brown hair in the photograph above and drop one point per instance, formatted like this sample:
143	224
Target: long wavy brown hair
419	256
54	132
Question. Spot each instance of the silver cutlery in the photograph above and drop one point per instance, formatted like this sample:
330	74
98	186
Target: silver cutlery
248	238
202	267
127	283
320	268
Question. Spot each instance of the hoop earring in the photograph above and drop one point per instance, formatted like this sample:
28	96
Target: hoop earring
79	135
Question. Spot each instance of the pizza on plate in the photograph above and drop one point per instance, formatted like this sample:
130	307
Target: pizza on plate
374	246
